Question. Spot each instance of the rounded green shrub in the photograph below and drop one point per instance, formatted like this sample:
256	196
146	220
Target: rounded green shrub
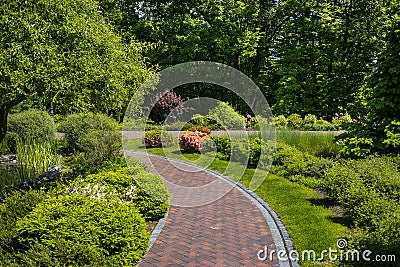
226	115
295	121
77	231
146	191
76	126
310	119
36	125
158	138
15	206
281	121
100	145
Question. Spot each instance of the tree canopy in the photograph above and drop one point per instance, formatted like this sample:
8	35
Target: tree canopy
66	53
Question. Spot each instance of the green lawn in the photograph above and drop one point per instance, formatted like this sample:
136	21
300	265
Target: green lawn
310	226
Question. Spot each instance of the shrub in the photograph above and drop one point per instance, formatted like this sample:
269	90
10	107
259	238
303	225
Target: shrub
158	138
15	205
289	161
341	118
310	119
73	230
225	115
146	191
164	103
257	120
32	124
202	129
76	126
100	145
281	121
223	146
369	192
392	132
320	127
193	141
295	121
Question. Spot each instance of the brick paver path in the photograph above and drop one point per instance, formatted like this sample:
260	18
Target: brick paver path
228	231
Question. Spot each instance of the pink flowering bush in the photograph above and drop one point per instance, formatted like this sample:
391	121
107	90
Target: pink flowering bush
193	141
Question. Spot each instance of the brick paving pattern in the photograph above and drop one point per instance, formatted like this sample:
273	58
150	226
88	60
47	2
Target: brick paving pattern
228	231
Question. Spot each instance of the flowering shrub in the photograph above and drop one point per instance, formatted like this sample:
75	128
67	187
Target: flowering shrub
193	141
158	138
341	118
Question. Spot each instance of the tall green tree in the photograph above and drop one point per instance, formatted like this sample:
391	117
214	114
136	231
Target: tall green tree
65	52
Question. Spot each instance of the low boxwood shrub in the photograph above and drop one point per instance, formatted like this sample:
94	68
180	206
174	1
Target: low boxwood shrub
158	138
14	206
193	141
77	231
31	124
144	190
76	126
368	191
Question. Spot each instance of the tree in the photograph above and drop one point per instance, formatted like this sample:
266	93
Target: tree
66	53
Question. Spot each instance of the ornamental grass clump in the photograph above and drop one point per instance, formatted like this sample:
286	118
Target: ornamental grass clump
193	141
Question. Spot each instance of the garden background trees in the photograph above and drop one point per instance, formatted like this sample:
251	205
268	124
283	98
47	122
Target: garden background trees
307	56
65	53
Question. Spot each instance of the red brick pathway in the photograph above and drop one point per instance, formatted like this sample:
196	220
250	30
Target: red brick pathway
228	231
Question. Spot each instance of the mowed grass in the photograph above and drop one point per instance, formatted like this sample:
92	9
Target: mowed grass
310	226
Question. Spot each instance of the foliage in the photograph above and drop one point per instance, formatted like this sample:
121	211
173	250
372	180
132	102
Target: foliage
280	121
202	129
158	138
295	121
290	162
165	103
310	119
223	146
74	230
76	127
144	190
100	145
377	133
369	192
225	115
193	141
32	124
202	121
392	132
66	54
16	205
33	159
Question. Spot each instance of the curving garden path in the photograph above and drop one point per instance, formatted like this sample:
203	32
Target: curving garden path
212	221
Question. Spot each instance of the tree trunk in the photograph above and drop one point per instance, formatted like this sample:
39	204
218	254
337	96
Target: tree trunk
3	122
